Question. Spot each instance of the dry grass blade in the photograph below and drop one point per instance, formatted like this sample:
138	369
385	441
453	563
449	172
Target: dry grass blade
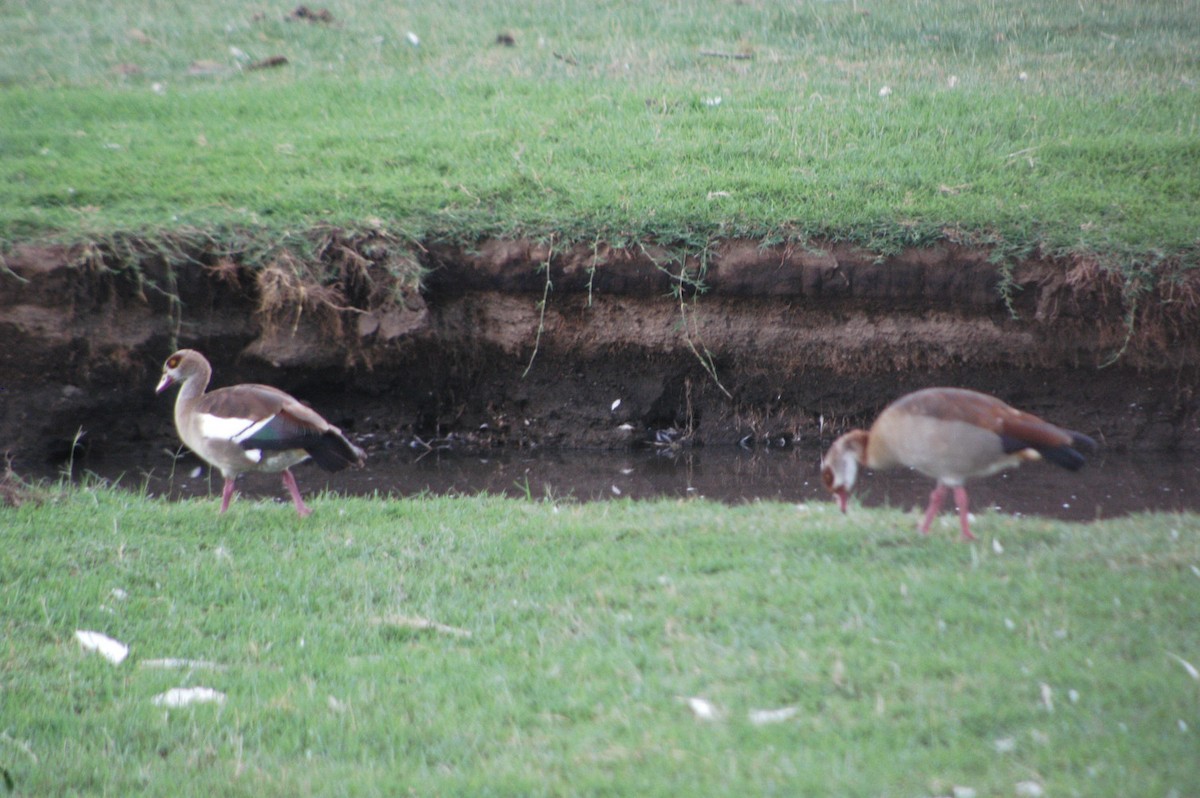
738	56
419	624
15	491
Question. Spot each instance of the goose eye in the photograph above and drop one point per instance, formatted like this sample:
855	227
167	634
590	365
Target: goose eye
173	361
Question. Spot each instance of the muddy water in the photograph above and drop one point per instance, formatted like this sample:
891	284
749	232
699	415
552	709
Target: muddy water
1109	485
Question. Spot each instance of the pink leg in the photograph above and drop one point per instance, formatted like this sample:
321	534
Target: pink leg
226	494
935	504
960	498
289	482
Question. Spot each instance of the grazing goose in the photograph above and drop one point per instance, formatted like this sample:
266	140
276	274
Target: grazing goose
251	427
952	435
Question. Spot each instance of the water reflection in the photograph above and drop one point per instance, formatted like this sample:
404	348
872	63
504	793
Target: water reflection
1109	485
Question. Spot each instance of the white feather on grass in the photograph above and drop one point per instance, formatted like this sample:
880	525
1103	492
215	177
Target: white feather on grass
112	650
702	708
172	662
185	696
1187	666
762	717
1047	694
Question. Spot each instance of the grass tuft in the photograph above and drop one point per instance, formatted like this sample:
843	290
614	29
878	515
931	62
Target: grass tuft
16	491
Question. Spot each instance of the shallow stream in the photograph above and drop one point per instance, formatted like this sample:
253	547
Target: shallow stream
1111	484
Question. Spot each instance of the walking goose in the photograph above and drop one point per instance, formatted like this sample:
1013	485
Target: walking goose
251	428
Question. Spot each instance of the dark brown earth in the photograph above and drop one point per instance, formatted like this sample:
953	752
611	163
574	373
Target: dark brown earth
784	341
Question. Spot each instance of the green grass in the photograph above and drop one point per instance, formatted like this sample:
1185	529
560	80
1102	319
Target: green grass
1069	127
915	665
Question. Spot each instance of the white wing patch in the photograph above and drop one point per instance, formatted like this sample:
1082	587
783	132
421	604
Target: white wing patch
230	428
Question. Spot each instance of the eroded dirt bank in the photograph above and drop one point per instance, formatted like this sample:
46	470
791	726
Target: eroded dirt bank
771	342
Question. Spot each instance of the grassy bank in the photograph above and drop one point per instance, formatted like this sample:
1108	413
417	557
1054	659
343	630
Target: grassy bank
1067	126
490	646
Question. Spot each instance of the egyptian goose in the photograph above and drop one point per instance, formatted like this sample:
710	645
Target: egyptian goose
251	427
952	435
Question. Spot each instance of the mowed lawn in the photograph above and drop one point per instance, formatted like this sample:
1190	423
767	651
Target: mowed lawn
490	646
1062	126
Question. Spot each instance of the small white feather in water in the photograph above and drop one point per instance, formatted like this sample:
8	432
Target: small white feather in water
702	708
184	696
616	403
112	650
761	717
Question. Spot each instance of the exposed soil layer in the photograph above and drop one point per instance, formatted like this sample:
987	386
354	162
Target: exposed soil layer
518	343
